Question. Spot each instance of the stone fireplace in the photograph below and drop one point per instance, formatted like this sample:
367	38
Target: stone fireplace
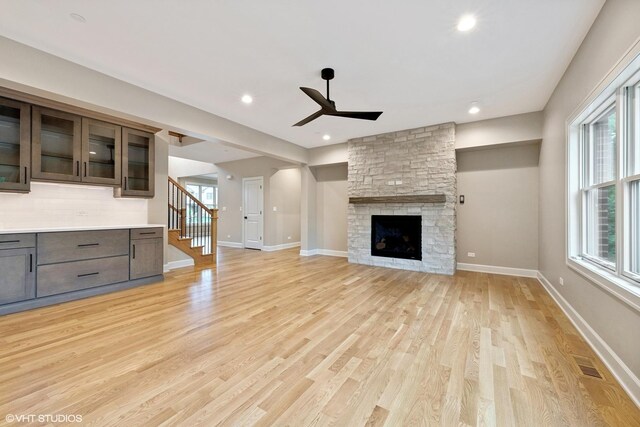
385	171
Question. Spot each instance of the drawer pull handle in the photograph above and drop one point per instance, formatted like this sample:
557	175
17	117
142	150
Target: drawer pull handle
84	245
11	241
88	274
148	232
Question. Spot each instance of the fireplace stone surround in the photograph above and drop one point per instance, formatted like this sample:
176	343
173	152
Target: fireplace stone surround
411	162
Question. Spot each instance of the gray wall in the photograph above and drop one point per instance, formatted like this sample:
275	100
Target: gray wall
331	207
281	189
613	33
499	219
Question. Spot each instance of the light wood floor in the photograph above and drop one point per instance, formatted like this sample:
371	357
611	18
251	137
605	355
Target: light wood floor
275	339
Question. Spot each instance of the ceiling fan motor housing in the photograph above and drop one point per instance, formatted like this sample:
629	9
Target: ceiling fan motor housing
327	74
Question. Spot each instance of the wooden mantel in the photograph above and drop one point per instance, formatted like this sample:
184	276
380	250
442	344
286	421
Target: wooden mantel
426	198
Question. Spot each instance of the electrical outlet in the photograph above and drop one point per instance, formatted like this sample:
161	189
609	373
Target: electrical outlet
228	236
224	208
561	280
471	254
275	209
288	237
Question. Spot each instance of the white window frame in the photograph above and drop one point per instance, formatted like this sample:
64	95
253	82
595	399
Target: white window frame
616	279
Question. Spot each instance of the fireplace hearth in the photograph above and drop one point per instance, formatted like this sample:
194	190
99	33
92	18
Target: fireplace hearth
396	236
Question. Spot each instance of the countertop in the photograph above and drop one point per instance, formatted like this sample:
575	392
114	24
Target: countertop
78	228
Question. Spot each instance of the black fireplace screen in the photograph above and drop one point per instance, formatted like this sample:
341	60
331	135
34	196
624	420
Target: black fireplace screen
396	236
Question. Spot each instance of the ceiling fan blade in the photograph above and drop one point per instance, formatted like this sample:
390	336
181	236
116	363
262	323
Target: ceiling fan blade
317	96
310	118
364	115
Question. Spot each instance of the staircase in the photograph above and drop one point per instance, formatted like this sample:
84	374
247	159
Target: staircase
193	227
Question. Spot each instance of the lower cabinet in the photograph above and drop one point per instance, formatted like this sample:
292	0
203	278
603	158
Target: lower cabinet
38	269
146	258
17	275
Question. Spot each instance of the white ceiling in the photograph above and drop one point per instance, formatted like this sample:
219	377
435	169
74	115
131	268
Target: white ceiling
403	57
210	152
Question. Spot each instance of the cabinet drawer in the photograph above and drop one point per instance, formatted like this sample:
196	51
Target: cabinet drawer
146	233
14	241
80	245
73	276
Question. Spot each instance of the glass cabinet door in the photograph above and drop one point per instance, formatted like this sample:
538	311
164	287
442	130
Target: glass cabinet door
101	152
138	160
15	148
56	145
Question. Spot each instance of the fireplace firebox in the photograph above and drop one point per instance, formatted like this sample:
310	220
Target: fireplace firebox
396	236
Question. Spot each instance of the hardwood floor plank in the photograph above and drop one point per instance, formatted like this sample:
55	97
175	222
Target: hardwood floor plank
279	339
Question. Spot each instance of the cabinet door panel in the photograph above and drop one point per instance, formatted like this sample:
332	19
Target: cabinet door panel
17	278
138	163
56	145
15	145
146	258
101	152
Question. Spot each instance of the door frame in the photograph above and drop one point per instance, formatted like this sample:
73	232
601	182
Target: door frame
242	214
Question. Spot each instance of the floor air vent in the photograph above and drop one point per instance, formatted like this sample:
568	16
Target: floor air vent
587	367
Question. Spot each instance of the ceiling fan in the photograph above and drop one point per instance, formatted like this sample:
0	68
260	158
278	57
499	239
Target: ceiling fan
328	106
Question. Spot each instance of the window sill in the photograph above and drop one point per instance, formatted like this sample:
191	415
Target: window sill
622	289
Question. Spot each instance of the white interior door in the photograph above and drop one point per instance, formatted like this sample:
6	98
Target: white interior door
252	212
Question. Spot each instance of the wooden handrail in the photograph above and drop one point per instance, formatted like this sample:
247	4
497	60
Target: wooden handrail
189	195
186	202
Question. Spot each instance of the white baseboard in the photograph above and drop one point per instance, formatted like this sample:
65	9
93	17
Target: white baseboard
172	265
627	379
230	244
280	247
507	271
327	252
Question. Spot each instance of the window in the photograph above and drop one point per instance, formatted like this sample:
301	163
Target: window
205	193
603	215
599	188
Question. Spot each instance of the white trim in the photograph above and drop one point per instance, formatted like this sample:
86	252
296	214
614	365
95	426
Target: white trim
330	252
230	244
494	269
325	252
627	379
280	247
172	265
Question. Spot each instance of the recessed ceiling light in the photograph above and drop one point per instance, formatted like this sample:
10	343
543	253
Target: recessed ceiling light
326	137
78	18
247	99
92	152
474	108
466	23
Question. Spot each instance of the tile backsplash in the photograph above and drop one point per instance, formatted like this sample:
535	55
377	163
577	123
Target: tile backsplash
65	205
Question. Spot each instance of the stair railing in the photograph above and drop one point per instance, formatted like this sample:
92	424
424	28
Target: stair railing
192	218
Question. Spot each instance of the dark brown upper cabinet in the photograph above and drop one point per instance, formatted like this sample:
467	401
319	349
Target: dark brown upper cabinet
101	152
15	146
138	164
56	145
